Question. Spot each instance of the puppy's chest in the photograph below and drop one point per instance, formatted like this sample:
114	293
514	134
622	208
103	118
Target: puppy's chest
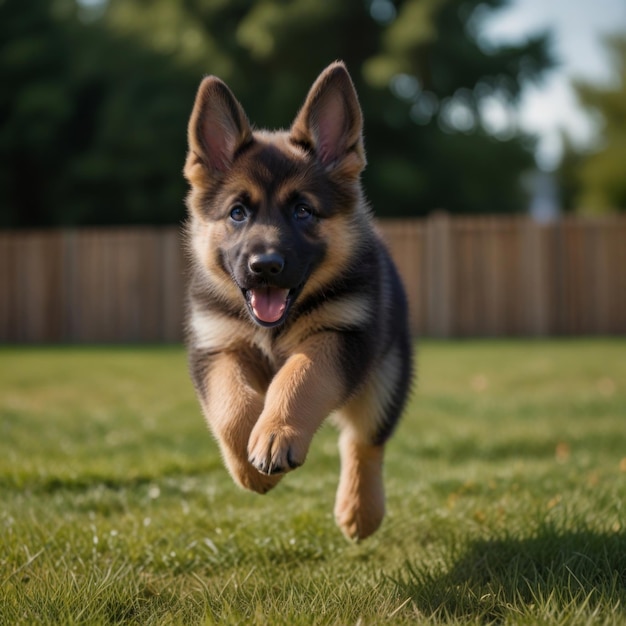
217	333
267	345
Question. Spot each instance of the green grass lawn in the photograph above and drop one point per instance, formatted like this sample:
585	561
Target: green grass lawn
506	488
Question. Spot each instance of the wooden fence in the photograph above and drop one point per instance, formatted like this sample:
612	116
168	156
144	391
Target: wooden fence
512	276
91	285
479	276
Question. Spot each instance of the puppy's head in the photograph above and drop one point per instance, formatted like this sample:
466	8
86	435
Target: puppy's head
270	212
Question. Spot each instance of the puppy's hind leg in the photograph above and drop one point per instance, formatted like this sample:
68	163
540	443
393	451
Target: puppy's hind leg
360	502
366	422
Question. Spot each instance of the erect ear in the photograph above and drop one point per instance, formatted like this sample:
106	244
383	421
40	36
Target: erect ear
330	121
217	128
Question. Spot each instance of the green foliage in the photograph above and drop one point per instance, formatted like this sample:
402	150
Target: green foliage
88	134
567	174
95	101
505	483
596	181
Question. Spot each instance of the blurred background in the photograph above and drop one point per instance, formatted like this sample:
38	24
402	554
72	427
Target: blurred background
465	100
472	108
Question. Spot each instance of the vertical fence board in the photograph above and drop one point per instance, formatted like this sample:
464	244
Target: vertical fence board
172	283
440	258
614	244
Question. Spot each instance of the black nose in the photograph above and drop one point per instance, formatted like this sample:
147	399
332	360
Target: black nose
266	265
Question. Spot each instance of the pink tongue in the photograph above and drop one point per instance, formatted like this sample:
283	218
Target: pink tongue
268	303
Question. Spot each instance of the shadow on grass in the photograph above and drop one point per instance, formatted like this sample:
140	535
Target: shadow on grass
551	575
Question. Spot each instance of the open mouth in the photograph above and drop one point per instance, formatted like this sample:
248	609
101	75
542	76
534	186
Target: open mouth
269	305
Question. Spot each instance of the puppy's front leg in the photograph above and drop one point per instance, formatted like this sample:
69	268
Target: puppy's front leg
231	390
304	391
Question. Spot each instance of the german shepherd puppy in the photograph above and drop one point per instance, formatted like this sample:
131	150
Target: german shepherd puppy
296	310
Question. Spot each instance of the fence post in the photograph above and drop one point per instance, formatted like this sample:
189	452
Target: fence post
534	287
439	271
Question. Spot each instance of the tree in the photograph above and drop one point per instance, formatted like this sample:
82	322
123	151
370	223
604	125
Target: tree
433	58
599	176
420	67
111	142
35	109
91	130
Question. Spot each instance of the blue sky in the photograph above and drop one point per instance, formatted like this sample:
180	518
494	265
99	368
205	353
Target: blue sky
578	27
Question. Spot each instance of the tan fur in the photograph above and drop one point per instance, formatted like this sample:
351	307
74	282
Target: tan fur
360	501
234	388
301	395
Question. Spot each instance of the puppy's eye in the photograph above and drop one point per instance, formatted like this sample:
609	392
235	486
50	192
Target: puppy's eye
238	213
302	212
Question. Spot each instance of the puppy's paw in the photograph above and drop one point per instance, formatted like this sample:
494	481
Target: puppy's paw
253	480
356	518
276	450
